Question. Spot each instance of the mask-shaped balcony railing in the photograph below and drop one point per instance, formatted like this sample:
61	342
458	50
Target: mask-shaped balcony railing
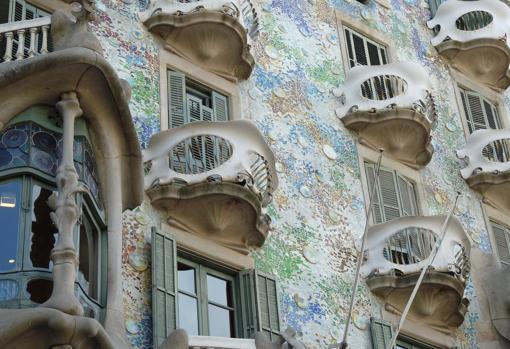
24	39
391	107
395	255
214	34
475	37
487	165
198	170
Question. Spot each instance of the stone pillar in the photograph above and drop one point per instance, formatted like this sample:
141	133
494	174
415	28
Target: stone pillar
66	215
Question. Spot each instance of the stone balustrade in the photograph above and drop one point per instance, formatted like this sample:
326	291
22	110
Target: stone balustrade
391	107
24	39
205	342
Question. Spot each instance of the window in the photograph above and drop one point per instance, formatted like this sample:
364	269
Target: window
207	300
433	6
19	10
382	332
363	51
395	195
502	242
190	101
29	155
482	114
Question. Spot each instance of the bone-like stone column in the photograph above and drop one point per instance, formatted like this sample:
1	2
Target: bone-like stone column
66	215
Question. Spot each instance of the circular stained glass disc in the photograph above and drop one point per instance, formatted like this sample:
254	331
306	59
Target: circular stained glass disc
44	141
5	158
14	138
42	160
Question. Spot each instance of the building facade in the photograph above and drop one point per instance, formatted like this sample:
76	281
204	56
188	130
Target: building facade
213	166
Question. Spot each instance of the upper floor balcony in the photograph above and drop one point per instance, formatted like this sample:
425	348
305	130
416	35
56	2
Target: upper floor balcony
214	34
397	251
214	179
474	36
486	157
391	107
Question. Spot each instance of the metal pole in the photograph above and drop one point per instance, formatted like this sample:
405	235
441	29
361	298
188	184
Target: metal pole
343	344
422	275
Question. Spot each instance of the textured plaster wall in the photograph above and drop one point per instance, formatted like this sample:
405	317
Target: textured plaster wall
318	211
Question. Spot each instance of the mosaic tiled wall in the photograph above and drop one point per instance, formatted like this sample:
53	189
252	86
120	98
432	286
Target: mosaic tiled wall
318	211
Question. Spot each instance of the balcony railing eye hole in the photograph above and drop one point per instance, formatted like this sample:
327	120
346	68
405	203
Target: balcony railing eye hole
474	20
409	246
199	154
383	87
497	151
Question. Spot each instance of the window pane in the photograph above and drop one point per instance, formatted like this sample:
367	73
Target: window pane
221	322
10	214
44	232
88	269
186	278
39	290
188	314
219	291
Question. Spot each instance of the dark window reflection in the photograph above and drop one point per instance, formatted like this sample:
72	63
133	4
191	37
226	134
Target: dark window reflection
44	232
39	290
88	255
10	212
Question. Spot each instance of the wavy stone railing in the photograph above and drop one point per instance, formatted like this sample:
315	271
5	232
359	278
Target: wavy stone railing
486	157
199	170
475	37
24	39
397	251
215	34
391	107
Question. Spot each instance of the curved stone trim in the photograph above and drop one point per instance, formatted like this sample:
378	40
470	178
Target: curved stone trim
403	133
449	11
212	39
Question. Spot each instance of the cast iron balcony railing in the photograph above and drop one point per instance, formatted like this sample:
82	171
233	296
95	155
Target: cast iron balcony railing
486	157
397	251
215	179
391	107
474	36
24	39
214	34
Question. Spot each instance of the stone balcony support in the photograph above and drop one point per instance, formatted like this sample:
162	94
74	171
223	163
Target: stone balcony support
395	254
214	34
391	107
214	179
475	37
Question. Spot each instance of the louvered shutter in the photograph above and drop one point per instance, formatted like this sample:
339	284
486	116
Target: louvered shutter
389	194
220	107
176	99
164	286
433	6
407	196
381	332
260	304
501	238
376	202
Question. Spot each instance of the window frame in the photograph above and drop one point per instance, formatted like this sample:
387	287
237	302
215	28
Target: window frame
461	82
371	34
413	343
493	215
366	154
202	269
169	61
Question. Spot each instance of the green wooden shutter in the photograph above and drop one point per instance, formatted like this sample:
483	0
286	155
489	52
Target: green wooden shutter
220	107
260	304
20	10
389	194
177	115
381	333
376	202
501	238
434	5
164	286
407	196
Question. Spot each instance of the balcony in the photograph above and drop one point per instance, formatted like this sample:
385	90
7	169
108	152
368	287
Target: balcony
398	250
474	36
486	157
205	342
214	34
214	179
25	39
391	107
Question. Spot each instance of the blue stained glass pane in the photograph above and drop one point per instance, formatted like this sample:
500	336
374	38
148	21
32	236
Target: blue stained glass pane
8	290
10	215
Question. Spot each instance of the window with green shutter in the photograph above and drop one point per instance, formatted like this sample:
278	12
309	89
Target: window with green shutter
381	332
394	197
433	6
502	242
482	114
208	300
